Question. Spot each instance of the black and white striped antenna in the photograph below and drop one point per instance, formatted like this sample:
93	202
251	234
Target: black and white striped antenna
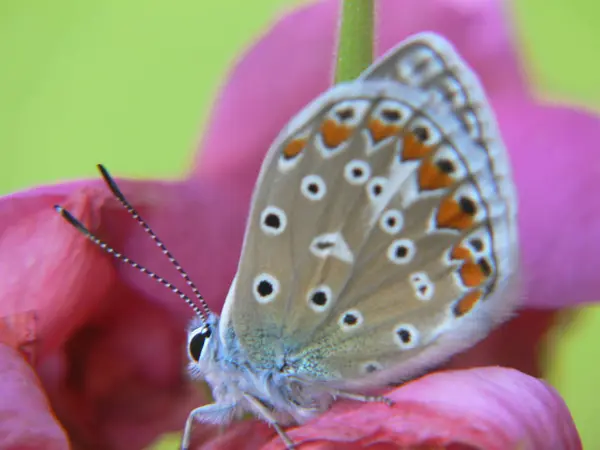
203	310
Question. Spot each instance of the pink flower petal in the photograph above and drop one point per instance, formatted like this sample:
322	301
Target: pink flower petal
556	171
195	219
47	268
27	420
201	223
552	158
279	75
514	344
487	408
479	29
110	360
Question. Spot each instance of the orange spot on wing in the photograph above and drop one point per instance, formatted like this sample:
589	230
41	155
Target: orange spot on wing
467	303
431	177
414	148
294	148
461	253
450	215
380	131
334	134
472	274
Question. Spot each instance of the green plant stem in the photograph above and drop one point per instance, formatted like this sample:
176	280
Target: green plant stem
355	39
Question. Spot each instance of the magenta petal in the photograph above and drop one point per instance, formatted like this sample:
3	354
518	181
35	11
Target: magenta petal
280	74
550	148
50	273
109	359
491	408
202	225
556	171
479	29
27	420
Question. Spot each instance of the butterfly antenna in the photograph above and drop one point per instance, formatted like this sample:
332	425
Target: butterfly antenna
108	249
112	185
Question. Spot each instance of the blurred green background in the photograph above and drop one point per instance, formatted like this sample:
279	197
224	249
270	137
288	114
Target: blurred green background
121	81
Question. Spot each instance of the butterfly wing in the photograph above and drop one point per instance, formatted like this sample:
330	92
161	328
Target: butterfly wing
382	230
428	62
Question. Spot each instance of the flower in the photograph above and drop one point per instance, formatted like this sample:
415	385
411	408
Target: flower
488	408
109	359
105	345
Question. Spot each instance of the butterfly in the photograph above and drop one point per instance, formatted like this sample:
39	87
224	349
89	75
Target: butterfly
381	241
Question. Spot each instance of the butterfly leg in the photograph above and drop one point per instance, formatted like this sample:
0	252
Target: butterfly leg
364	398
213	413
264	412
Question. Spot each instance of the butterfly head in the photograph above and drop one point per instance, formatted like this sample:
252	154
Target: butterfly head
202	337
197	340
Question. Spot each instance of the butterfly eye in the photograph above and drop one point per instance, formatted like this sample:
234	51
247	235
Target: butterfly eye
196	342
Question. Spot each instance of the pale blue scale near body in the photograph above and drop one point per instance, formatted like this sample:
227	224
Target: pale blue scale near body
381	241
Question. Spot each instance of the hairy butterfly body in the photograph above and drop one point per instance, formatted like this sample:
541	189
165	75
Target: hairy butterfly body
381	241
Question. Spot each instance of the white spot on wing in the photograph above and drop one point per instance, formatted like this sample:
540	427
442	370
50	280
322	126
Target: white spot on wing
319	298
273	220
419	65
376	188
358	108
422	285
357	172
265	288
370	367
422	124
391	221
404	112
470	119
453	90
406	336
350	320
401	251
332	244
381	113
313	187
348	113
